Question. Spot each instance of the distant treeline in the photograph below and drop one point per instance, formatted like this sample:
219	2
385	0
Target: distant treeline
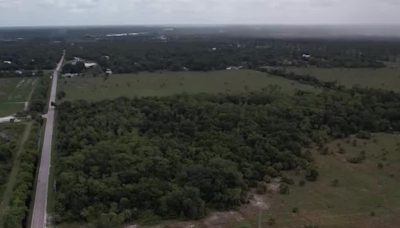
303	79
29	55
206	54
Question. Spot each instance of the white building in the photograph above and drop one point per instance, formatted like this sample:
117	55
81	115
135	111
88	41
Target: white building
7	62
307	56
109	72
90	64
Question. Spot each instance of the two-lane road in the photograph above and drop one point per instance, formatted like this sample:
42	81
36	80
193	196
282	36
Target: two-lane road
40	206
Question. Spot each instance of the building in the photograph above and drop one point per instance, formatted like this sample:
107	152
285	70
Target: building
307	56
109	72
90	64
7	62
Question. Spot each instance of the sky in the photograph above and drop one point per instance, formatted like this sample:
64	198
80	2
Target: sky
150	12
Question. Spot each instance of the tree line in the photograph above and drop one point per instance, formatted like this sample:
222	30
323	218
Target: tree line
216	53
39	97
17	212
177	157
9	135
30	55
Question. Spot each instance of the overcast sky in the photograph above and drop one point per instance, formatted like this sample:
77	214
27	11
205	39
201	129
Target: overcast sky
131	12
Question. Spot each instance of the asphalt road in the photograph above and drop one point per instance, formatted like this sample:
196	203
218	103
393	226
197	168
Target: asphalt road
40	206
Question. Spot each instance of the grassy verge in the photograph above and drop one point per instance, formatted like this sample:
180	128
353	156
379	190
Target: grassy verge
31	205
51	197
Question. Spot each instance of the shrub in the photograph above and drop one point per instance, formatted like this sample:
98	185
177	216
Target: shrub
284	189
295	210
271	222
302	183
354	143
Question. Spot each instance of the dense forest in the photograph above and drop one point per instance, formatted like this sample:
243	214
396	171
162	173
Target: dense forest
9	136
39	97
205	54
28	56
180	156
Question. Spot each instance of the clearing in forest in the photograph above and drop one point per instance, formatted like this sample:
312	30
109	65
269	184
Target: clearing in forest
380	78
169	83
364	195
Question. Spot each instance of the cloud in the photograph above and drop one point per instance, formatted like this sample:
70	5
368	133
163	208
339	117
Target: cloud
8	4
66	12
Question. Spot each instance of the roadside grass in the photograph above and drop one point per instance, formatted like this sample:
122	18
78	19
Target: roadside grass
51	196
7	194
362	190
7	109
168	83
32	203
381	78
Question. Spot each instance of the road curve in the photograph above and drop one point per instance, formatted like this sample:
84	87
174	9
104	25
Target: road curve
40	207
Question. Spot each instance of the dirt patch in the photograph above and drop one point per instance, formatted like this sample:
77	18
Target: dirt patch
273	187
218	219
260	201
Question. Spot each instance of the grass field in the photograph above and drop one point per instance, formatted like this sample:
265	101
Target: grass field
385	78
7	109
13	92
362	189
168	83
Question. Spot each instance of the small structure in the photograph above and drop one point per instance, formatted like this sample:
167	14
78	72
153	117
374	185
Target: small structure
7	62
234	68
214	49
90	64
307	56
109	72
18	72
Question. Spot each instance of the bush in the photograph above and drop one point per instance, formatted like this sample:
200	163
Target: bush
302	183
271	221
295	210
287	180
342	150
284	189
380	165
325	151
354	143
312	175
262	187
364	135
267	179
335	183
